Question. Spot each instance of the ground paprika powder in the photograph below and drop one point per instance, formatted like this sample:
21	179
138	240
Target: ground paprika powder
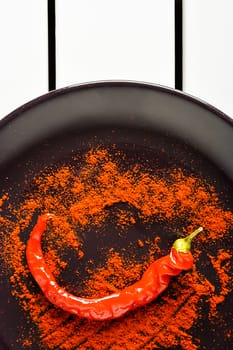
79	195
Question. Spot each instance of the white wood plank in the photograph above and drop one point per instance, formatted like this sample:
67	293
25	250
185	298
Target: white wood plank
109	39
208	51
23	52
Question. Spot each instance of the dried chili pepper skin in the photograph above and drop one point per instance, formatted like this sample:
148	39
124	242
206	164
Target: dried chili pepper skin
153	282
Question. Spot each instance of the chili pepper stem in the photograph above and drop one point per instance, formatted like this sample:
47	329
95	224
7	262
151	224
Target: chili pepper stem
184	244
193	234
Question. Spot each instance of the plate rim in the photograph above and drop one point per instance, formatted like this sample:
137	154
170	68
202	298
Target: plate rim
116	83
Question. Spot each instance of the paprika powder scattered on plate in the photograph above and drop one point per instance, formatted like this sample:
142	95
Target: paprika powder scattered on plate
101	241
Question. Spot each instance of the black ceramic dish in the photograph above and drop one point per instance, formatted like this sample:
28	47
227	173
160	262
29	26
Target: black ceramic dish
167	127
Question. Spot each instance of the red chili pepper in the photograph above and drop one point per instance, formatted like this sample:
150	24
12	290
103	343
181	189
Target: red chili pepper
153	282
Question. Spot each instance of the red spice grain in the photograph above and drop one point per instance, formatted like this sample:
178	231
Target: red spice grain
140	243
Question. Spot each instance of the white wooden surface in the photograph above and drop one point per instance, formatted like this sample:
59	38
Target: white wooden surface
23	52
108	39
208	51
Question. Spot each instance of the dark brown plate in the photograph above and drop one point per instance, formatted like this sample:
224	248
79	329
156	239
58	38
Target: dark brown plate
156	127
